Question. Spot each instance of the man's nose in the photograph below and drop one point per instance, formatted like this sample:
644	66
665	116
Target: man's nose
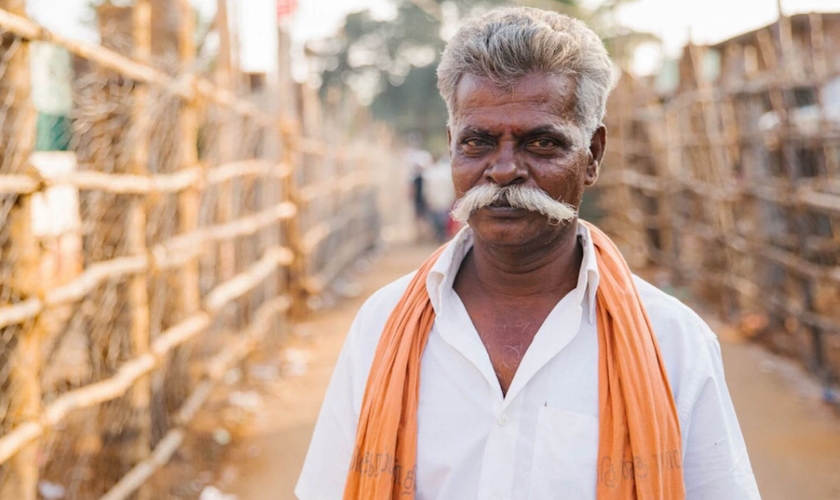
504	169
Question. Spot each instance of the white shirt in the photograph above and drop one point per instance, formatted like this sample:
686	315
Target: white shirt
439	190
540	441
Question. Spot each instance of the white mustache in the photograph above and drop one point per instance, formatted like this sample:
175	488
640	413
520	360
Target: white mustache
517	196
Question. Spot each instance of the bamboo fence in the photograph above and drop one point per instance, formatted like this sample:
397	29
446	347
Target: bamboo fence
731	184
198	220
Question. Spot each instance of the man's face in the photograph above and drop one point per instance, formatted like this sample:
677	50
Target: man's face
526	135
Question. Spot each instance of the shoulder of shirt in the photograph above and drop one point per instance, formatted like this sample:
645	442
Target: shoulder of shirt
670	316
378	306
384	299
689	348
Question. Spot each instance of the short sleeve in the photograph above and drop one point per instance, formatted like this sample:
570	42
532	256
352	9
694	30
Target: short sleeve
327	461
716	463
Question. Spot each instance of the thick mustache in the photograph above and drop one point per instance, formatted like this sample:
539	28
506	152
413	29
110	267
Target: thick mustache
517	196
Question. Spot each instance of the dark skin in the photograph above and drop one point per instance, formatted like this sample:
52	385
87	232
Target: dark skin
520	266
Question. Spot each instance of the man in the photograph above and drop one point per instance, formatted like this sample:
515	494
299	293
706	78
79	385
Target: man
419	161
440	195
523	360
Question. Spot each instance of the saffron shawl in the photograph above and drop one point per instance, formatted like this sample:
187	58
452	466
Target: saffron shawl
639	449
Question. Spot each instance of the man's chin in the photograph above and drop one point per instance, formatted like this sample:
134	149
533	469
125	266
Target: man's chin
508	230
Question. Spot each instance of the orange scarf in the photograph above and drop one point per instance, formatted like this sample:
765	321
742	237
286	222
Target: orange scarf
639	449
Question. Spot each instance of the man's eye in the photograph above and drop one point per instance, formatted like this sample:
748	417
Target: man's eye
474	142
475	146
544	144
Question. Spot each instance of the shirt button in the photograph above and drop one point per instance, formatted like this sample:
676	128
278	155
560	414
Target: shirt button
503	419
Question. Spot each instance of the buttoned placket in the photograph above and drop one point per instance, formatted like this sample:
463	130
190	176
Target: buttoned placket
455	327
499	464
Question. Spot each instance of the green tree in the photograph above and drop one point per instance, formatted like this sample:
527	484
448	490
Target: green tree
391	63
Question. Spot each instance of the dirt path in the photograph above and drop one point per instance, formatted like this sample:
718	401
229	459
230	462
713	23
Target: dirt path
266	463
794	440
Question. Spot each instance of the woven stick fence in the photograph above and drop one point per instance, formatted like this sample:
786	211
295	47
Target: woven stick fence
190	222
732	184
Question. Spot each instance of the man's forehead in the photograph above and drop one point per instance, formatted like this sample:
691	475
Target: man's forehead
549	95
553	92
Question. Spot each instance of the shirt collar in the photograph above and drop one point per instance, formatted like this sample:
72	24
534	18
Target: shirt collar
442	275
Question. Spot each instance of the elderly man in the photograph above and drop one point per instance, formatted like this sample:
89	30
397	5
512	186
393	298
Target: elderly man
523	360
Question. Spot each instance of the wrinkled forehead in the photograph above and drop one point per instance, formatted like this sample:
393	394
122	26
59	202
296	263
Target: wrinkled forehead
551	93
534	101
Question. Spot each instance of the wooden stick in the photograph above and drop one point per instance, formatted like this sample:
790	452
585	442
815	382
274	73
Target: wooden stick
313	238
141	472
133	370
290	139
128	183
186	89
809	318
24	390
765	249
344	184
188	201
172	253
181	249
25	364
245	168
804	195
220	365
19	184
312	147
188	178
20	312
140	395
250	224
244	282
93	276
349	252
819	60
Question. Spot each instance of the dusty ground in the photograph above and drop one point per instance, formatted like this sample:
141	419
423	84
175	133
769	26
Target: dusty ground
794	440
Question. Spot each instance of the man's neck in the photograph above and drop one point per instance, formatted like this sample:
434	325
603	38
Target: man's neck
526	272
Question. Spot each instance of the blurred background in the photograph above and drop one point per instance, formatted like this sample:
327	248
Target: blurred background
197	195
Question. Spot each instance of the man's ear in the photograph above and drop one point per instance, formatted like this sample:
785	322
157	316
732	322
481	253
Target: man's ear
449	137
597	146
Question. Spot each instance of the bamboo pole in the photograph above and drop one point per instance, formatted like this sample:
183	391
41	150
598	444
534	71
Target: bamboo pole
188	201
293	232
670	169
172	253
140	394
129	68
18	136
189	178
819	60
25	359
776	64
295	116
132	378
215	370
225	79
135	370
243	168
794	171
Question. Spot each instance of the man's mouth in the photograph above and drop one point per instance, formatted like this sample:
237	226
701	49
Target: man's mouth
502	202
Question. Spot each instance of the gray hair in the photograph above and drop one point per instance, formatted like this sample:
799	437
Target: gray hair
507	44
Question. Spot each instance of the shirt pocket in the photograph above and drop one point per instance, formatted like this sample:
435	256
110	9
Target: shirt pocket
565	456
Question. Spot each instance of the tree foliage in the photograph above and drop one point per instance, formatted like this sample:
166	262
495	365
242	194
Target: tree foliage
391	63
